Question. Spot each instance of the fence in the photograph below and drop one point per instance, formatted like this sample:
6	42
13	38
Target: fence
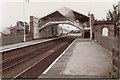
115	73
112	44
108	42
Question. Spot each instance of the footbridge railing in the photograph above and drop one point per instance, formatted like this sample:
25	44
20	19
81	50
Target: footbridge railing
60	22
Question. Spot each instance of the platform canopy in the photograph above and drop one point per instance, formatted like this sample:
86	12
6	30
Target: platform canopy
68	14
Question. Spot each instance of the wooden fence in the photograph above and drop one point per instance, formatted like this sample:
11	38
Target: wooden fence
108	42
112	44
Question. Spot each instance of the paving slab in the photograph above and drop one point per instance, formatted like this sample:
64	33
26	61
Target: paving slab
84	59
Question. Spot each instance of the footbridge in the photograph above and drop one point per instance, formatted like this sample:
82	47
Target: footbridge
61	16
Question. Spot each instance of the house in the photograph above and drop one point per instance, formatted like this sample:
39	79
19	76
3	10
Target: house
13	34
6	31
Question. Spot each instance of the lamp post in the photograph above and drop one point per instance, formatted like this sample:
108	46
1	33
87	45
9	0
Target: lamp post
26	1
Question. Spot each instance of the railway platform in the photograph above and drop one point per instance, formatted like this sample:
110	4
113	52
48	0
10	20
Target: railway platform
23	44
82	59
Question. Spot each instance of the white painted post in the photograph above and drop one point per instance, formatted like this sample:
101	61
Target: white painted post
26	1
90	27
24	21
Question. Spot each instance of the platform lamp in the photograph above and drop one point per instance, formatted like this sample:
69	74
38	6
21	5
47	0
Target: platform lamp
26	1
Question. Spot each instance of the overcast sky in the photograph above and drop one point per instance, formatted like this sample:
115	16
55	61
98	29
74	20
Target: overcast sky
13	10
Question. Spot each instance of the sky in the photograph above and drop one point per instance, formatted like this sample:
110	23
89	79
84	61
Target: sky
14	10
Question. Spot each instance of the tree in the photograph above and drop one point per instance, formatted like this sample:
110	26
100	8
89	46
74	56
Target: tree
112	15
24	24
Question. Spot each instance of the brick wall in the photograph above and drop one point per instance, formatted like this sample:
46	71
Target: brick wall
50	31
6	40
99	25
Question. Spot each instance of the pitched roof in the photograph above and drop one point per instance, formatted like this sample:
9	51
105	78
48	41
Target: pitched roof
67	13
55	14
17	27
6	31
80	17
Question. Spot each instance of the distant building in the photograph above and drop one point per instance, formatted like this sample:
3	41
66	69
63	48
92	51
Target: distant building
18	29
6	31
14	34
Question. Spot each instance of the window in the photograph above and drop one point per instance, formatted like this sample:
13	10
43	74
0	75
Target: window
105	31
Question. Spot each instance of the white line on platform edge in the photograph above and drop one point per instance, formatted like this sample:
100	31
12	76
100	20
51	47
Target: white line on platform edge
58	58
24	44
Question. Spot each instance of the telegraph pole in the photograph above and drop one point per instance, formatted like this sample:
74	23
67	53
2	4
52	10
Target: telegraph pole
90	20
26	1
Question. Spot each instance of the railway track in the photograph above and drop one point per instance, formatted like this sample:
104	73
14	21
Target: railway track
18	60
42	48
48	52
